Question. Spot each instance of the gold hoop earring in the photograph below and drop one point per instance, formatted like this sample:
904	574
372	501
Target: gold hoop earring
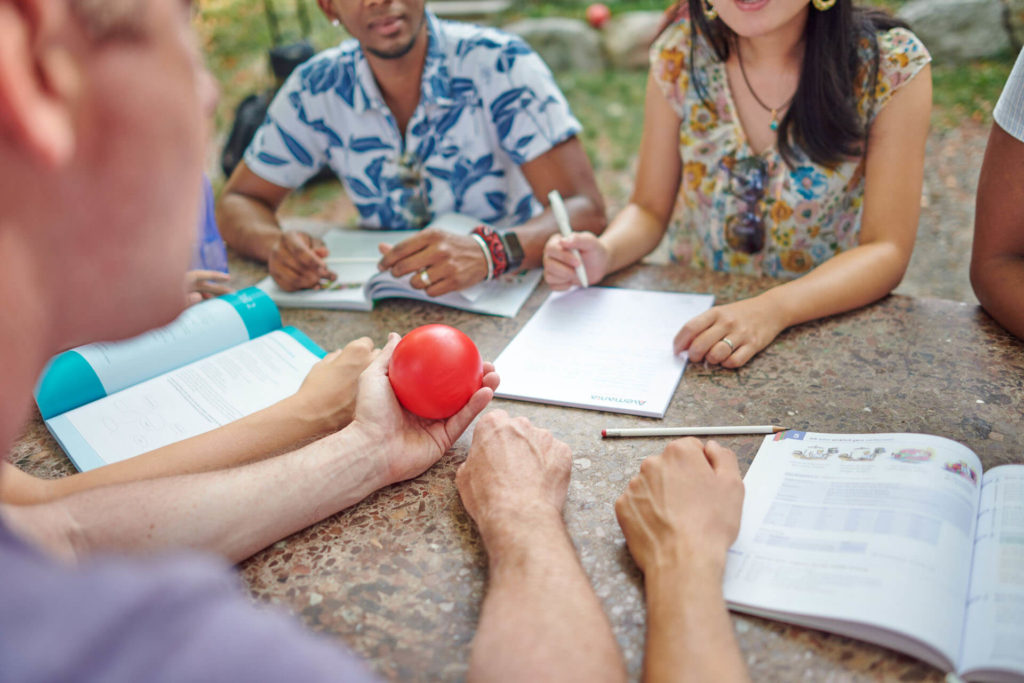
710	13
823	5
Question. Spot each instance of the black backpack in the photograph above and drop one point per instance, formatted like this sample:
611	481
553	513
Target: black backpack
252	110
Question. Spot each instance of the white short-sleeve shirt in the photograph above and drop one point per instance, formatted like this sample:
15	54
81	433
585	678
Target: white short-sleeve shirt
1009	111
488	104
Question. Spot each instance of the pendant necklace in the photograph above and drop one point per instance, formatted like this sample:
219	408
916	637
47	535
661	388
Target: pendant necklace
774	111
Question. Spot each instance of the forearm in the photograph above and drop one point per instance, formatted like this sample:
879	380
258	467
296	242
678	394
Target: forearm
585	214
998	281
275	429
689	633
248	225
633	233
540	619
847	281
233	512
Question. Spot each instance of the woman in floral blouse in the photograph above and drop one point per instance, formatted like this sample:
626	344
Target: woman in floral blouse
801	130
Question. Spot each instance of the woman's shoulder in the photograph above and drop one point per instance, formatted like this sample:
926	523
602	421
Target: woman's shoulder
671	48
900	51
672	52
900	56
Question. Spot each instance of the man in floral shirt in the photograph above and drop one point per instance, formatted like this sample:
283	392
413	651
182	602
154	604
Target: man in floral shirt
418	117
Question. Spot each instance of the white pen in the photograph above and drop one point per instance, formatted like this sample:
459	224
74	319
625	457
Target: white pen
693	431
562	218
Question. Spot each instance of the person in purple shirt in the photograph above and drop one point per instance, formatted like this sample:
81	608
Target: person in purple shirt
208	275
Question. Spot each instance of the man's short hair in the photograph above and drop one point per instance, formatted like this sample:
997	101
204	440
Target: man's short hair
109	19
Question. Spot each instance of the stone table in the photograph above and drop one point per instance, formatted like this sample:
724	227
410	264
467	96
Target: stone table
400	577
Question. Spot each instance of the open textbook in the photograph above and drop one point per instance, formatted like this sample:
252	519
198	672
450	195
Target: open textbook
600	348
221	360
896	539
360	284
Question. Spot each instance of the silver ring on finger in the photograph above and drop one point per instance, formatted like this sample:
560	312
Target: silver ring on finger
728	342
425	278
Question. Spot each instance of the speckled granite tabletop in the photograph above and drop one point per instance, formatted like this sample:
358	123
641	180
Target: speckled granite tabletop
399	578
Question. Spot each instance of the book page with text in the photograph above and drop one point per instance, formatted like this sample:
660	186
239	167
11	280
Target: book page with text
867	529
190	400
994	635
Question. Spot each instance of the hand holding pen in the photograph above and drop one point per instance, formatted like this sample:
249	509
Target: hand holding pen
572	258
562	218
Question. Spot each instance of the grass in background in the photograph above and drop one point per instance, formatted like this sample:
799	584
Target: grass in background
967	91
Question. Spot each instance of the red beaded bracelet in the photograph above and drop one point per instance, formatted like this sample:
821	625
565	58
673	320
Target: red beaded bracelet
493	241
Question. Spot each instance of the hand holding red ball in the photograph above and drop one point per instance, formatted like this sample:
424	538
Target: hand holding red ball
434	371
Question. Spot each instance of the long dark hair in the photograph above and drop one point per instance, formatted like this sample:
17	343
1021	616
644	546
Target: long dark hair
822	121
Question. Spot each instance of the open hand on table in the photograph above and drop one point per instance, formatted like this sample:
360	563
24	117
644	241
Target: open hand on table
205	284
451	262
412	444
328	394
683	508
514	470
560	263
297	261
729	335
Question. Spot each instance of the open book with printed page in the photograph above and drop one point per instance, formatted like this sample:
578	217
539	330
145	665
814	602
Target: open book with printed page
896	539
360	283
220	360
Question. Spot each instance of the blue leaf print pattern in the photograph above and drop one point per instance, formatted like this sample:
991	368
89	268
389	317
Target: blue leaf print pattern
319	75
507	56
298	151
496	200
346	88
505	109
373	172
466	46
524	209
464	90
448	120
359	187
367	144
466	174
268	158
426	148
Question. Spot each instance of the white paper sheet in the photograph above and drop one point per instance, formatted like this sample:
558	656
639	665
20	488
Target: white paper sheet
601	348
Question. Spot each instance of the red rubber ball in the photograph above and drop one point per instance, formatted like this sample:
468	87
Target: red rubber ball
434	371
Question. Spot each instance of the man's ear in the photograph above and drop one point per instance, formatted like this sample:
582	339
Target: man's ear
38	80
325	7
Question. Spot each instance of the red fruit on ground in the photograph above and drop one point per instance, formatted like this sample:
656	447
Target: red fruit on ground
598	14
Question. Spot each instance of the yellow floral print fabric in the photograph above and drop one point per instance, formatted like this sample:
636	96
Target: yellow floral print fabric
810	212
